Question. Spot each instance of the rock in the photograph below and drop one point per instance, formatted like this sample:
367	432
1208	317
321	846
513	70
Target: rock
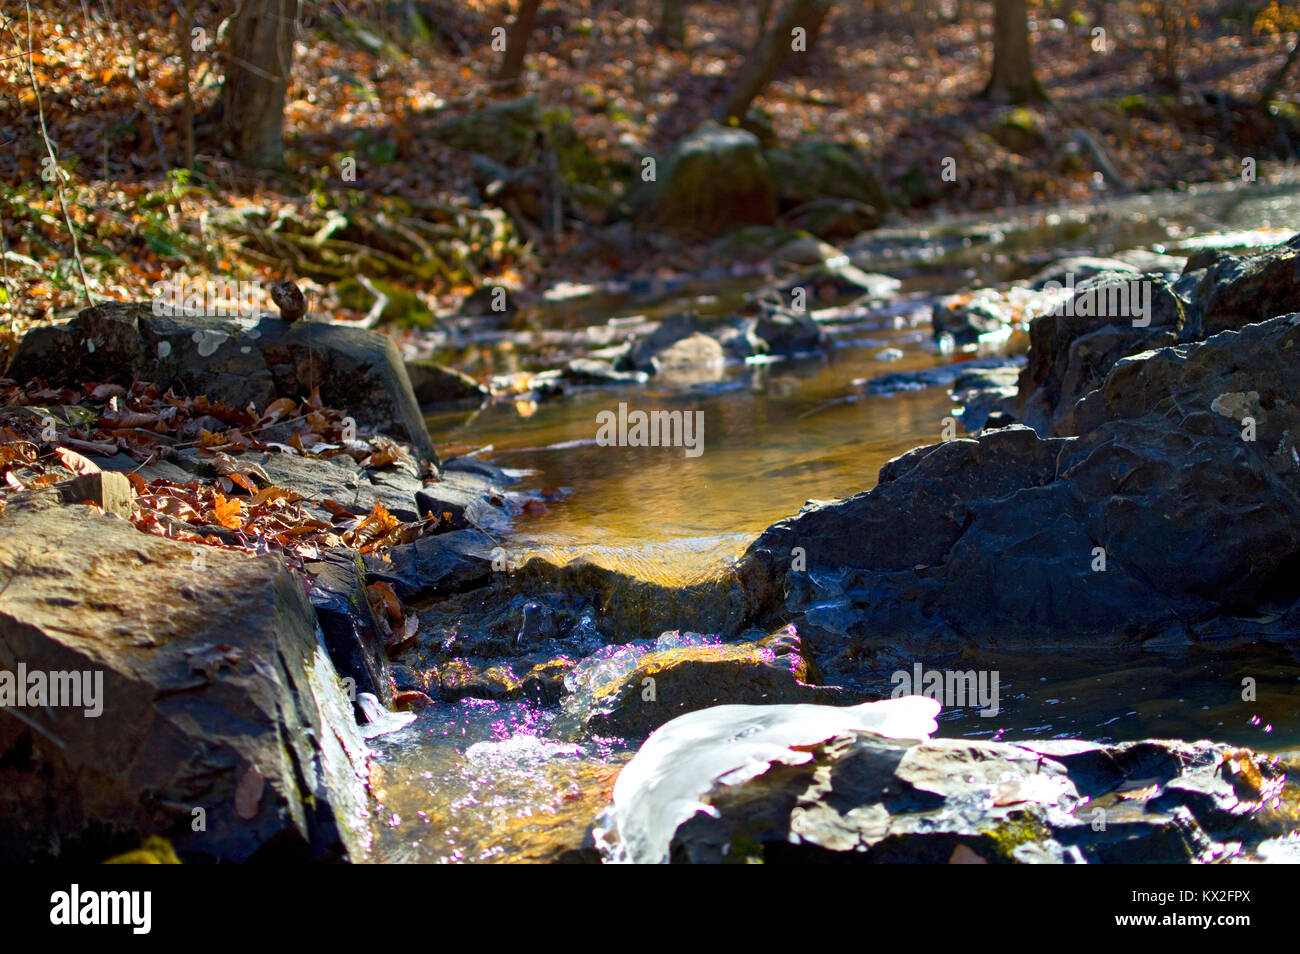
471	500
1227	292
837	279
1073	347
596	373
989	368
1158	522
235	360
834	218
807	789
675	346
985	393
806	252
967	320
1070	271
672	682
245	722
806	172
789	332
434	566
678	766
713	180
348	624
433	384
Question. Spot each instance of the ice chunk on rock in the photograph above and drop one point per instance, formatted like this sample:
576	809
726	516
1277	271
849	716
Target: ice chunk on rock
680	763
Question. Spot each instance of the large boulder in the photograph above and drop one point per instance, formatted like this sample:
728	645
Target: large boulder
805	172
221	723
236	360
713	180
1170	517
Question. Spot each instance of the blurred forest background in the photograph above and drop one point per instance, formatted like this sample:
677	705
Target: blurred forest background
399	158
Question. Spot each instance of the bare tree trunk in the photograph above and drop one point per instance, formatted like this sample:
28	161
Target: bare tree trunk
670	31
1013	79
258	58
1271	88
761	65
800	65
508	78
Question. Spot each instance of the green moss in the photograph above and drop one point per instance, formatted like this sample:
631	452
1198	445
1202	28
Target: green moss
1016	830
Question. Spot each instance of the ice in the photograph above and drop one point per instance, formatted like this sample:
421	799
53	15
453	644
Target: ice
667	780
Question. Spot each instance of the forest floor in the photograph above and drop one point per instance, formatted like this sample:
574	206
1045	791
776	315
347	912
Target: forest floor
110	92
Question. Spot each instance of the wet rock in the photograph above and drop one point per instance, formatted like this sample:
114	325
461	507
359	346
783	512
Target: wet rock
435	384
348	624
672	682
216	696
789	332
1158	522
968	320
1067	272
434	565
1072	348
236	360
831	793
713	180
986	392
995	367
597	373
1227	292
676	346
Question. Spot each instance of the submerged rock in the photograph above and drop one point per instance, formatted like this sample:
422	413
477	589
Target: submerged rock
806	784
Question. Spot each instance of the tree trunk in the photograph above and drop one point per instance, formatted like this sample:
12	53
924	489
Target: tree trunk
761	65
802	64
1270	90
670	31
1013	79
508	79
258	58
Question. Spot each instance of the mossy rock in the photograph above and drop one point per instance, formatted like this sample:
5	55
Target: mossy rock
713	180
807	171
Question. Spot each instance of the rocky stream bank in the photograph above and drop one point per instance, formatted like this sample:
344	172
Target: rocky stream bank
241	526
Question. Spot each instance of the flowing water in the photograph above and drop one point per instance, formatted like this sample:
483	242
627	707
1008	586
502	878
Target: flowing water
488	781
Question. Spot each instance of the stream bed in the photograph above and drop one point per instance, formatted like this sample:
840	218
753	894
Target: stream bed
484	781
